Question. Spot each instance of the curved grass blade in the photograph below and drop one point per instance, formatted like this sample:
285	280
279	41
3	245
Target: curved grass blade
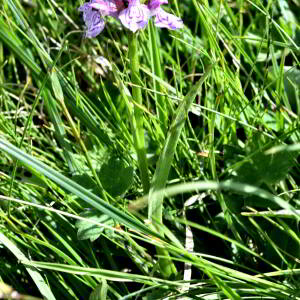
165	160
76	189
212	185
106	274
155	200
60	132
35	275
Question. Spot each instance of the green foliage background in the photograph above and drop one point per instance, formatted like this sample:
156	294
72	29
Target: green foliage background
74	221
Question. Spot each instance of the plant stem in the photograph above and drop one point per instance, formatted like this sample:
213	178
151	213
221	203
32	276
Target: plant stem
138	129
161	106
156	194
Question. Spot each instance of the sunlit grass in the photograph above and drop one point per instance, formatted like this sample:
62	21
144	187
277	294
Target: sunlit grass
75	220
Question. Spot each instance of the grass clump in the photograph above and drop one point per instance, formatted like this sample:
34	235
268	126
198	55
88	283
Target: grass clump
172	177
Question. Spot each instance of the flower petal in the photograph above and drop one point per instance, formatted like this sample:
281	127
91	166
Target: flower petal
135	17
107	7
93	20
166	20
153	4
94	23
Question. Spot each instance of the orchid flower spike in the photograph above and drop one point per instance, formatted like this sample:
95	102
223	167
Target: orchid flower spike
131	13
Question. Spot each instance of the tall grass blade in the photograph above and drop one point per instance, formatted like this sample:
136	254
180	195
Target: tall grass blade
33	272
155	200
166	158
76	189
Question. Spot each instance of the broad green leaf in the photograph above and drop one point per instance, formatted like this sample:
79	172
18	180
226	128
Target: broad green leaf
262	168
115	177
88	230
87	182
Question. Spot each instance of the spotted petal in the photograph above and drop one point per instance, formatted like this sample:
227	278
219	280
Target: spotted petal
135	17
95	24
166	20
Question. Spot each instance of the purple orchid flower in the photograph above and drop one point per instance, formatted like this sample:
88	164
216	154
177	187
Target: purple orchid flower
94	12
93	21
162	18
134	17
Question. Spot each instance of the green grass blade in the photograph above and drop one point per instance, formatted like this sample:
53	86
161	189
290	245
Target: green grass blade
155	200
138	128
60	132
106	274
161	106
35	275
85	113
166	158
76	189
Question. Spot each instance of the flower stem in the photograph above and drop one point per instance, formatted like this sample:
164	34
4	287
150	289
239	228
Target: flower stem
138	129
161	106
